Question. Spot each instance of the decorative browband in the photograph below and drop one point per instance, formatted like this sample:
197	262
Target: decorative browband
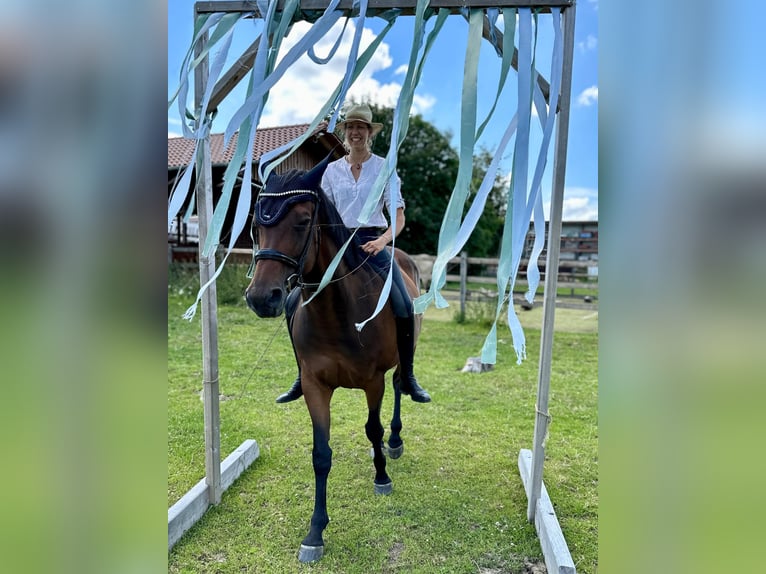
286	193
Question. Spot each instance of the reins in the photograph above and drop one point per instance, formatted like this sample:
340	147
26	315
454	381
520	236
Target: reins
297	264
301	284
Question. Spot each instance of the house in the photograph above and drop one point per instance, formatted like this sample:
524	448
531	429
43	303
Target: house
184	236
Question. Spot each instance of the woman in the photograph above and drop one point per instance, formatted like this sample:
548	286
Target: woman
347	182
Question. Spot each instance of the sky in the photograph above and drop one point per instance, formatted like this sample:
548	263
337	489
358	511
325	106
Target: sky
299	95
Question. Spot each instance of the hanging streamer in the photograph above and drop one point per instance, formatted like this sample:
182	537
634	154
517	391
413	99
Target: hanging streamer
253	109
449	244
547	119
254	101
521	206
321	61
351	60
180	191
510	252
509	20
320	28
401	125
263	68
454	211
243	150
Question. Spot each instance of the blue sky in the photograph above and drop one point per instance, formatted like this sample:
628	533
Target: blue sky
298	97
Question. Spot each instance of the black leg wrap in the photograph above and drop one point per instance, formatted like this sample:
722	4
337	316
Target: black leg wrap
405	330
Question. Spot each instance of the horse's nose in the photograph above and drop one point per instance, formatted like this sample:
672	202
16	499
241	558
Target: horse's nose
266	303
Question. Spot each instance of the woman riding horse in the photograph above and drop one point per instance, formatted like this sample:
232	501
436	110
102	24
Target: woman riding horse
347	183
300	233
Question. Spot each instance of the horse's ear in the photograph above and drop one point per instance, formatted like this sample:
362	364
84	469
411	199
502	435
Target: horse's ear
313	178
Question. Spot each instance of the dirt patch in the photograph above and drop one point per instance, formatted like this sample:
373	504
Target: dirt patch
501	566
393	556
535	568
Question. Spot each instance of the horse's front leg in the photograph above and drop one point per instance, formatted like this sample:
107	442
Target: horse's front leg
395	443
374	429
318	403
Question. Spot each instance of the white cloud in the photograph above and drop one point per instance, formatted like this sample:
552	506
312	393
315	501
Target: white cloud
580	204
303	90
590	43
401	70
588	96
175	123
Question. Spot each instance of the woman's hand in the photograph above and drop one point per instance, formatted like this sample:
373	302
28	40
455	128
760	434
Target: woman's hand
375	246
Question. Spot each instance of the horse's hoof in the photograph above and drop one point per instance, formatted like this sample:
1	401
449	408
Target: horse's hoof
310	553
384	489
394	453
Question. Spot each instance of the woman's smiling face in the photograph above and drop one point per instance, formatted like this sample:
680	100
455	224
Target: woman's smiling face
357	133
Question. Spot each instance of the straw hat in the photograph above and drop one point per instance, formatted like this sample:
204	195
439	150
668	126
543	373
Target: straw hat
361	113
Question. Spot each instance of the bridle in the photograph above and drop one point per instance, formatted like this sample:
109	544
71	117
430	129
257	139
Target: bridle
276	255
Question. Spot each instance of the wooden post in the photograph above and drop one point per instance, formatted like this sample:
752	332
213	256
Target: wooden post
204	192
542	418
463	282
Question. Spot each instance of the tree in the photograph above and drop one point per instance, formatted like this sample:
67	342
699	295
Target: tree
428	166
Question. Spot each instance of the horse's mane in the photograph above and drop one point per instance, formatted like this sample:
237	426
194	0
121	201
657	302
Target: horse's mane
271	209
334	228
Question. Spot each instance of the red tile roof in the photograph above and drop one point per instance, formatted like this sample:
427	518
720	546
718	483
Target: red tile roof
266	139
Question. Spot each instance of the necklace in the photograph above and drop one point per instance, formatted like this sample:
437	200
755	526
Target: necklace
358	165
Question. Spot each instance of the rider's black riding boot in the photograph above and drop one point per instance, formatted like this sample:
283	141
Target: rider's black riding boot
405	331
295	392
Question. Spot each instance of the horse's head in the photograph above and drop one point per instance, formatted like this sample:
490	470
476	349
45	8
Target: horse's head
284	224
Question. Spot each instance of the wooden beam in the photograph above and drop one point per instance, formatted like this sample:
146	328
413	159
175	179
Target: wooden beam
234	75
246	61
192	505
209	323
558	560
552	262
407	6
542	82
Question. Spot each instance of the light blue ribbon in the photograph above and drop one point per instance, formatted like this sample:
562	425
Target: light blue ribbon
520	206
351	61
254	101
547	121
242	152
180	191
453	235
321	61
510	253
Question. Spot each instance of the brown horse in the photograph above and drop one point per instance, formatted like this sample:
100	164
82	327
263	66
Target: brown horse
299	232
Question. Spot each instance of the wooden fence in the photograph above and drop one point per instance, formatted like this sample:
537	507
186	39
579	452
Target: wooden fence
462	270
483	270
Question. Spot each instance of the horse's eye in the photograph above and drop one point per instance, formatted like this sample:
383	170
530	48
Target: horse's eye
303	223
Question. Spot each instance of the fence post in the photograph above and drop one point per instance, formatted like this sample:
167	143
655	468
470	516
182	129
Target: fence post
463	282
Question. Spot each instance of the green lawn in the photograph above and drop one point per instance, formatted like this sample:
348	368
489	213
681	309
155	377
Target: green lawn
458	503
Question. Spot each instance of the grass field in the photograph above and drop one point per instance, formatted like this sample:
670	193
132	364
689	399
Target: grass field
458	503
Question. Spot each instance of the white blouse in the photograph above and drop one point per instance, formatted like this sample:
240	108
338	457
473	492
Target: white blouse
349	195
